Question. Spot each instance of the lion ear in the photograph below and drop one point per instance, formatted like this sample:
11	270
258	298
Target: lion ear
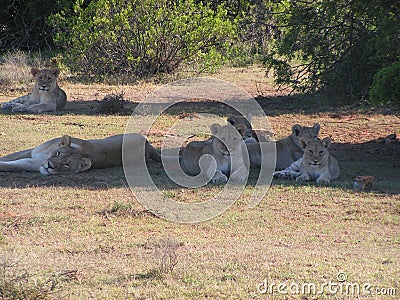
316	128
326	142
55	71
232	120
215	128
249	118
241	129
85	164
303	142
65	140
34	71
296	129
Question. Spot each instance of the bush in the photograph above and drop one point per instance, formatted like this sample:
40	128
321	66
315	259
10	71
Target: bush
113	104
334	47
386	85
111	38
255	29
23	24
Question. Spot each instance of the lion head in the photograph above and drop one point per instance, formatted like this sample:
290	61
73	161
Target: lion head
226	139
45	79
299	132
316	151
66	159
242	125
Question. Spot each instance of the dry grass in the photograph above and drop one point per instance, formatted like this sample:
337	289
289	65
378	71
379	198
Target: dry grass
15	71
92	225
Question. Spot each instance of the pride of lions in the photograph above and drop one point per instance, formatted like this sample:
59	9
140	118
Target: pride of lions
302	155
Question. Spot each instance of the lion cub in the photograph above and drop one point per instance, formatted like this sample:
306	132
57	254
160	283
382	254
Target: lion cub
46	95
316	163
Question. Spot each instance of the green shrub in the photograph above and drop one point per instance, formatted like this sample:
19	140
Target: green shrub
113	104
334	47
23	24
386	85
143	37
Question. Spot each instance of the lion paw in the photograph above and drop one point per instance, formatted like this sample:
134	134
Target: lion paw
240	175
286	174
323	180
17	107
303	178
7	105
219	179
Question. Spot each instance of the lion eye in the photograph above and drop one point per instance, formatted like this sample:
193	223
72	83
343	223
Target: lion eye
66	166
311	152
58	153
320	152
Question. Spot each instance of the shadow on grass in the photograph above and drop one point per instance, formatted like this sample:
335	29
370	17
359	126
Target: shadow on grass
373	158
91	108
376	158
272	106
370	158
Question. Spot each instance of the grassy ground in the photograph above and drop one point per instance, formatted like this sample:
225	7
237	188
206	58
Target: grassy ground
86	237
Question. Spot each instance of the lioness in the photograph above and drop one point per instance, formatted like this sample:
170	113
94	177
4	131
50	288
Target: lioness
73	155
288	150
225	146
316	163
46	95
246	130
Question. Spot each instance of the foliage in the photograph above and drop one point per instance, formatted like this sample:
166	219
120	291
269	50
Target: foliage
142	38
334	46
386	85
23	24
255	28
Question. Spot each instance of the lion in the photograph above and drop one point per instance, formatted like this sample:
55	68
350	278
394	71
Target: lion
73	155
225	146
316	163
46	95
288	150
243	125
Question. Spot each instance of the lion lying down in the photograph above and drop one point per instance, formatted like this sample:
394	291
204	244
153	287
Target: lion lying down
288	149
74	155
